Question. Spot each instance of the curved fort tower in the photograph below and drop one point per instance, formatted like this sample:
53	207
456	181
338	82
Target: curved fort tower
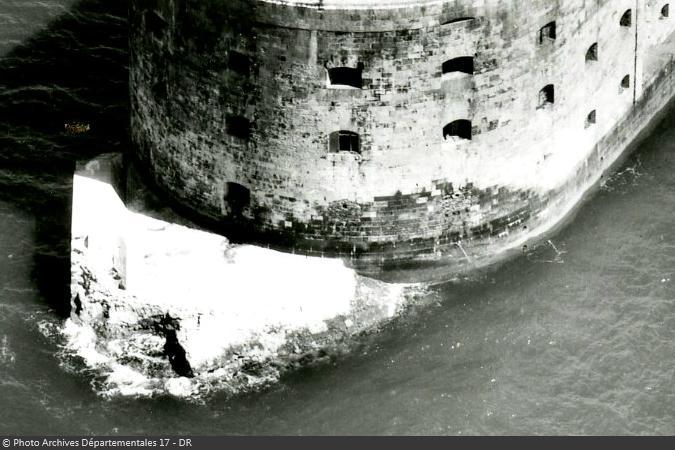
393	133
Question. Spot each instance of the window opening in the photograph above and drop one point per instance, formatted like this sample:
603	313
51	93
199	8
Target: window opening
547	32
546	96
345	141
238	126
346	77
460	128
462	64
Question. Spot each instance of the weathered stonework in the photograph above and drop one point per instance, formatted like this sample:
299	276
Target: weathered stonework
203	70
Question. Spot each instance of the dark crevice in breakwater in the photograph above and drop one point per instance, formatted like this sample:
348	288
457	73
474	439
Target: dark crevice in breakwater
73	71
168	326
176	354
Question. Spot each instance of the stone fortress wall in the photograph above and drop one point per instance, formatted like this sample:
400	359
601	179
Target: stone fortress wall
351	128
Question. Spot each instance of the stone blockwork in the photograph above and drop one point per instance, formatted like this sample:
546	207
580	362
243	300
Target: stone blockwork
233	112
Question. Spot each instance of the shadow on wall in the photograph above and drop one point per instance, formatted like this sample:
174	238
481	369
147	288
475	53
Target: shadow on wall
63	96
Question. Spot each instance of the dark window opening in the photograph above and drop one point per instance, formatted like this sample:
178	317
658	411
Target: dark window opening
160	90
625	82
462	64
592	53
548	31
627	18
457	20
155	23
237	197
344	141
346	76
238	126
460	128
590	119
546	96
665	11
238	62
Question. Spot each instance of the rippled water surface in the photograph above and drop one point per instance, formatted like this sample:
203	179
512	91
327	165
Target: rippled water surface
578	341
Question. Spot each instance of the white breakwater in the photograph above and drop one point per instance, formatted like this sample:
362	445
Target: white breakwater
241	315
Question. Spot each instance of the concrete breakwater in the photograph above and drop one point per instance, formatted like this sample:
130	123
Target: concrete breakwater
161	306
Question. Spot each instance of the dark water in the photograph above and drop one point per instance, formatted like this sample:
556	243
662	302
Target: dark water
580	344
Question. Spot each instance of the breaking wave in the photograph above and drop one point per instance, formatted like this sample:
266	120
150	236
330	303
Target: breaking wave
132	362
626	178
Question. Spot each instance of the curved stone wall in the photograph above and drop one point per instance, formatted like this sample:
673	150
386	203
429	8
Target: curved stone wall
235	117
